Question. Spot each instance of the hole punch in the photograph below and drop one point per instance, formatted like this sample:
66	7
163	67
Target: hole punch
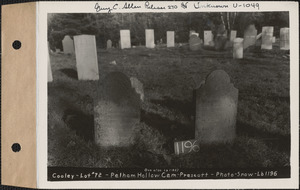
16	147
17	44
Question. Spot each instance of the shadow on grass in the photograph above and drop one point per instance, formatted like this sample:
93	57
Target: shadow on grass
82	123
276	141
70	73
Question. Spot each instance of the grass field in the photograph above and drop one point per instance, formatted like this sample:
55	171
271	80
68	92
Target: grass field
169	77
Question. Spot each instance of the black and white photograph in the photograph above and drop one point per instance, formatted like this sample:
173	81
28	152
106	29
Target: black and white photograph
168	95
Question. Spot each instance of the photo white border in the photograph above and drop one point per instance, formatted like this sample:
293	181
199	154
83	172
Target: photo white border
43	8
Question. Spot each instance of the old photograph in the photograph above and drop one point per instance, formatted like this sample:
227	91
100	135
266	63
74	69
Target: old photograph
161	96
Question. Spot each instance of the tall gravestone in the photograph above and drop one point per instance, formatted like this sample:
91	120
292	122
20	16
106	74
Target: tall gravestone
238	48
208	37
149	38
170	39
216	109
250	36
284	38
267	37
108	44
68	45
125	41
195	43
86	57
50	78
138	86
116	111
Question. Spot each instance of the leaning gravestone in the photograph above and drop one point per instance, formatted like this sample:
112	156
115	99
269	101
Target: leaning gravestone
267	37
170	39
208	37
125	41
108	44
216	109
149	38
86	57
195	43
68	45
284	38
138	86
50	78
250	36
117	111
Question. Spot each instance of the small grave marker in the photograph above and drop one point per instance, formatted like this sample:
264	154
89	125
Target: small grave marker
238	48
125	41
208	37
216	109
195	43
109	44
68	45
149	38
170	39
86	57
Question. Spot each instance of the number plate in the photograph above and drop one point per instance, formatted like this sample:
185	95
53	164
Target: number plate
188	146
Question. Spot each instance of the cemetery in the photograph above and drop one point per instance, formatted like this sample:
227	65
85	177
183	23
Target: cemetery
208	97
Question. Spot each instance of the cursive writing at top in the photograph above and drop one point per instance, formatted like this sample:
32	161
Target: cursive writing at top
108	9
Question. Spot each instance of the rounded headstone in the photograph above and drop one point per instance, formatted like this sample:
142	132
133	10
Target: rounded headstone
216	109
117	111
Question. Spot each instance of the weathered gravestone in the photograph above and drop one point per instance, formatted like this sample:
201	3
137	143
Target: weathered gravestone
68	45
238	48
232	36
284	38
216	109
50	78
108	44
125	41
116	111
208	37
250	36
86	57
138	86
195	43
267	37
170	39
149	38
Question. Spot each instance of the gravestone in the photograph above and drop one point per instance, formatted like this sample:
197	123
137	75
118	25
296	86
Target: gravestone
116	111
125	41
216	109
267	37
149	38
68	45
238	48
208	37
250	36
86	57
232	35
170	39
109	44
50	78
284	38
195	43
138	86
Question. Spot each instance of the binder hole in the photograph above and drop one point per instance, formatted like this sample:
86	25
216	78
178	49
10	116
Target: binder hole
16	147
16	44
